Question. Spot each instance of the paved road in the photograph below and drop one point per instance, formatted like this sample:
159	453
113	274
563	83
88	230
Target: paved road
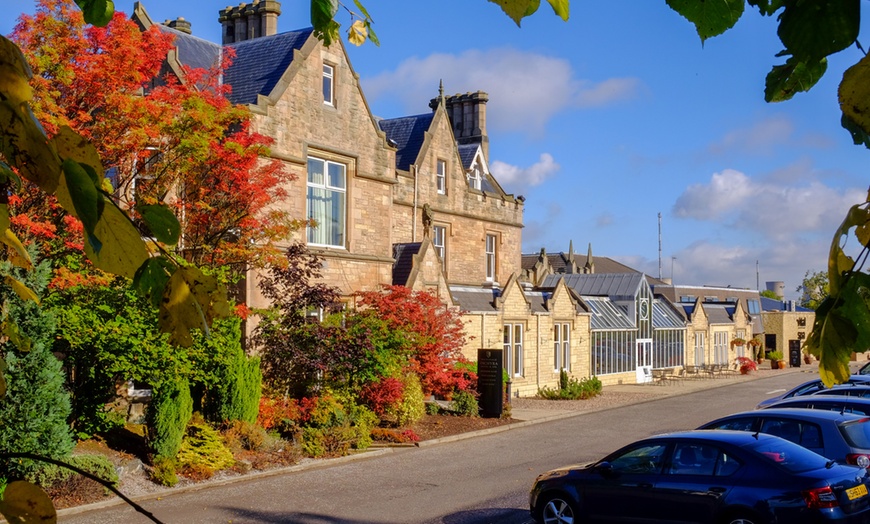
474	481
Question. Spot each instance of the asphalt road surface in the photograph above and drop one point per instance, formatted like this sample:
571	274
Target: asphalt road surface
479	480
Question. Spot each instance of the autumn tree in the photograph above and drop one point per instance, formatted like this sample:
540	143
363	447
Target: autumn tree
162	139
435	331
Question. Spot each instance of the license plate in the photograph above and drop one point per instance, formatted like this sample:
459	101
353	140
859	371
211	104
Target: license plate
856	492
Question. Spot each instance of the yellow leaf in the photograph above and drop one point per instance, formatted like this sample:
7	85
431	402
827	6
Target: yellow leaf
73	146
24	503
518	9
854	93
14	74
192	300
123	250
560	7
23	292
357	33
19	257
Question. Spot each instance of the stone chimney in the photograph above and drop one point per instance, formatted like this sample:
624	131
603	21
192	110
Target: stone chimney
467	116
247	21
179	24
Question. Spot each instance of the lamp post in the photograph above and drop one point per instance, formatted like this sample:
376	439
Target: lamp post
672	269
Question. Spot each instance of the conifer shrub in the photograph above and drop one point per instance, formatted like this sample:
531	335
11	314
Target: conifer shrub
34	411
236	392
168	413
412	405
163	471
465	404
203	451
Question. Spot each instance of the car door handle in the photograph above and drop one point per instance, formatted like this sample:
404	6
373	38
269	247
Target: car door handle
717	489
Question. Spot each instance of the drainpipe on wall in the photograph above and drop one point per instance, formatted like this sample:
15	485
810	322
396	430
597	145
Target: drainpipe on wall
538	355
414	218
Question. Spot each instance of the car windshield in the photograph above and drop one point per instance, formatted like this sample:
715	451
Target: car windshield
787	455
857	433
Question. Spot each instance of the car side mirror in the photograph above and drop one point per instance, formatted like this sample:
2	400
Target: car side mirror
605	469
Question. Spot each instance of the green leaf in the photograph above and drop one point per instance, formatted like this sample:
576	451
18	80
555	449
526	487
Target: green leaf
518	9
162	223
362	9
561	8
322	18
87	202
10	330
19	256
373	38
123	250
854	94
22	139
765	7
794	76
811	30
71	145
151	278
192	300
710	17
2	384
859	136
23	292
26	503
7	176
97	12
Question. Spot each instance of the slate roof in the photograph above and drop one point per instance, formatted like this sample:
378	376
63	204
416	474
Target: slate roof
559	262
719	313
770	304
466	154
618	286
193	51
403	254
475	299
260	63
408	133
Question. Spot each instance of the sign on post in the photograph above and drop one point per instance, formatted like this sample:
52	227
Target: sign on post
490	384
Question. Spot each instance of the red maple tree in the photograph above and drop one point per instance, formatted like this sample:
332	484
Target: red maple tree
162	139
438	336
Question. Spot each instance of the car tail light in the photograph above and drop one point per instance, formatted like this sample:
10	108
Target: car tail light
859	459
820	498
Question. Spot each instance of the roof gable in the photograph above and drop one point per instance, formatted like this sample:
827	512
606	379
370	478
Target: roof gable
408	133
260	63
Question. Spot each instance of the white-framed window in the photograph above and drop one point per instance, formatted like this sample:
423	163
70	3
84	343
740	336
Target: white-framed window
513	349
562	345
327	192
439	240
490	249
474	177
700	359
441	177
720	347
328	83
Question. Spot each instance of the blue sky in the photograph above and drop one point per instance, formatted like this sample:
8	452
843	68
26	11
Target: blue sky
615	116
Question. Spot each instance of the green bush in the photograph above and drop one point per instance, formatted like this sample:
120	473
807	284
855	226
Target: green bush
236	392
432	408
203	452
240	435
573	389
332	425
412	407
167	417
465	404
163	471
99	465
34	411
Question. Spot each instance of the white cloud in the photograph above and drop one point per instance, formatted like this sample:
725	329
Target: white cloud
767	208
760	138
525	89
516	179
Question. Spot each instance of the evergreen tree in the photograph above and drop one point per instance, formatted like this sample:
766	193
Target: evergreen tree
35	410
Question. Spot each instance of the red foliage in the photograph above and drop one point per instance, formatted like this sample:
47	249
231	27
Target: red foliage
381	395
437	334
273	410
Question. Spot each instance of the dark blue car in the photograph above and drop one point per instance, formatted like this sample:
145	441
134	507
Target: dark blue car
705	476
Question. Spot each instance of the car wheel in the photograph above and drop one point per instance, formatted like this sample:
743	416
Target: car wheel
558	510
741	518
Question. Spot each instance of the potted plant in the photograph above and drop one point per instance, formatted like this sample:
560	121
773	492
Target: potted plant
745	365
808	359
755	345
737	342
775	357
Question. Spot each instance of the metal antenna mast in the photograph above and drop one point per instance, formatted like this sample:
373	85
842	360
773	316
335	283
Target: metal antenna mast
660	245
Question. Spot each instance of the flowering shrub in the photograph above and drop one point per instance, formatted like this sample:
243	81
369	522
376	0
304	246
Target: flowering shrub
745	365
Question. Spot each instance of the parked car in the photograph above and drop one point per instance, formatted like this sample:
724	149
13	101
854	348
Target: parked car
865	369
847	390
704	476
841	403
808	388
844	437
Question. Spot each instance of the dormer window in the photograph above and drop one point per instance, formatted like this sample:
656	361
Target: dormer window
474	177
328	75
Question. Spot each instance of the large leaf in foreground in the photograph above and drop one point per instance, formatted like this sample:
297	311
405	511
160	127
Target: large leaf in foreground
192	300
25	503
